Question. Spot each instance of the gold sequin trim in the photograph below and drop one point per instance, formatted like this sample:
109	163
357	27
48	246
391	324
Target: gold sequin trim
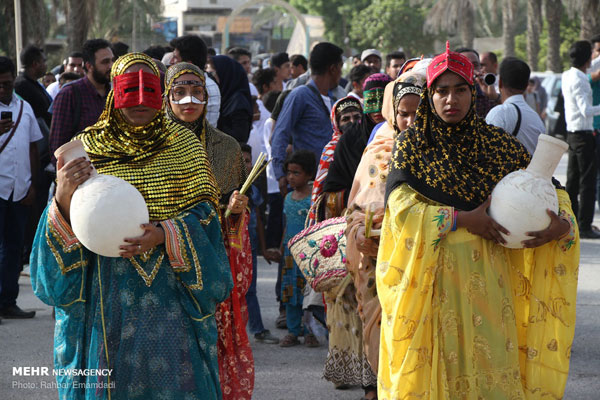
59	260
148	279
198	285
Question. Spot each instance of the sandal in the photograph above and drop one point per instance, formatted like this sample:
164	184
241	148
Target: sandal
310	340
289	340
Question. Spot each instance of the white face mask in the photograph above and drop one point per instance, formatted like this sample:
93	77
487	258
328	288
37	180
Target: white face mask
188	100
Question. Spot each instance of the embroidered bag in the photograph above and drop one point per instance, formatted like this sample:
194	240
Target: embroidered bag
320	253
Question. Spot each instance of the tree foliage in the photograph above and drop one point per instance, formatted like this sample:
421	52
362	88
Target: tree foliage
390	24
569	33
77	20
114	18
451	17
337	15
34	27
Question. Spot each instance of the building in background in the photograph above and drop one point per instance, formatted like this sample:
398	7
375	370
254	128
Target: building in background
206	18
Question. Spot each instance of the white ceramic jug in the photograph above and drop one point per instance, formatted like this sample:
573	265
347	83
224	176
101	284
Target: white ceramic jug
104	209
520	199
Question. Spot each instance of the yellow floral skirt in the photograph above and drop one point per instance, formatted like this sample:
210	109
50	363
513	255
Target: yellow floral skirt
465	318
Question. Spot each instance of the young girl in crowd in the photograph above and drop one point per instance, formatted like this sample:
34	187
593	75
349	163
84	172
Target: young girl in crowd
300	170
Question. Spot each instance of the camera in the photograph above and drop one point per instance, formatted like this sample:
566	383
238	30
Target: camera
489	79
6	115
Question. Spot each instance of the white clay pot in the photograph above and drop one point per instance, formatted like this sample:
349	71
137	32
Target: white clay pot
104	209
520	199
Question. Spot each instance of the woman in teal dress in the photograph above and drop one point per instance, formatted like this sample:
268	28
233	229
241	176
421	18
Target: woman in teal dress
148	316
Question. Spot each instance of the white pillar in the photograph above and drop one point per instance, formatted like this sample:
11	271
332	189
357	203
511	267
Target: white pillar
181	24
18	33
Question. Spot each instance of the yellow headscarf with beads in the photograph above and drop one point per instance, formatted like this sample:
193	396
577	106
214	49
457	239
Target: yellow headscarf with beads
163	160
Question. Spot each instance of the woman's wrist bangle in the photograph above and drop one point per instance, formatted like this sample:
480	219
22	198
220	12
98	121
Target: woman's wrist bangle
568	230
454	220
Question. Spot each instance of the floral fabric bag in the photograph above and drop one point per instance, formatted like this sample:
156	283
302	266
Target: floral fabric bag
320	253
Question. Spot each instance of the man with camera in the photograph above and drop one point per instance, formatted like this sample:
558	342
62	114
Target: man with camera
487	96
18	172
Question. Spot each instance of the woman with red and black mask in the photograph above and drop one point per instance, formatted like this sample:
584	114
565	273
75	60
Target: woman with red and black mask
114	313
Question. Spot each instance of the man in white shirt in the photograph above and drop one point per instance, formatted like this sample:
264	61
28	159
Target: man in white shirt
73	63
265	81
18	168
579	116
514	115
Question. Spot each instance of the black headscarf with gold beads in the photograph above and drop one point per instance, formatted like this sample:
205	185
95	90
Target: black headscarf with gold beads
456	165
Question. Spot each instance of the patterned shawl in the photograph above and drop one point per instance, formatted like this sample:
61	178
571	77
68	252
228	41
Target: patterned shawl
162	159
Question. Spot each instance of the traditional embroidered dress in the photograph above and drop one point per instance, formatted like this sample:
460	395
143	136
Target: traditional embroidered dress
346	362
150	319
463	317
236	363
368	190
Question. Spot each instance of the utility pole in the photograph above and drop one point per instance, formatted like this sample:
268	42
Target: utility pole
18	33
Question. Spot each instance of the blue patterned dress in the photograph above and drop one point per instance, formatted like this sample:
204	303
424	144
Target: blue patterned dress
293	282
150	320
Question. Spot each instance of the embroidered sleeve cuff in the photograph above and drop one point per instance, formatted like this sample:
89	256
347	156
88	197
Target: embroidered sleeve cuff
61	230
444	220
181	249
175	245
567	241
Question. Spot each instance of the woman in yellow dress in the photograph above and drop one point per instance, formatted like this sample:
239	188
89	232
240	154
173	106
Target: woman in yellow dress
462	316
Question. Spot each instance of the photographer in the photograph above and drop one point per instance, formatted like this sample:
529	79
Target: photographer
487	96
489	66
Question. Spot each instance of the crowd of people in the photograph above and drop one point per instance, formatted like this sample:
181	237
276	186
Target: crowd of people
432	306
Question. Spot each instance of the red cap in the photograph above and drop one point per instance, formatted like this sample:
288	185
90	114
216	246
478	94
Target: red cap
452	61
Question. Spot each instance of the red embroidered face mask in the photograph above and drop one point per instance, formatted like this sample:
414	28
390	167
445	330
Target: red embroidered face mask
137	88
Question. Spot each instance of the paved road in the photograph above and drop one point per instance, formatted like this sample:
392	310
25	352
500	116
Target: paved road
295	373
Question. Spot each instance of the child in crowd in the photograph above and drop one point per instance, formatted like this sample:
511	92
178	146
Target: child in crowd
67	77
300	169
48	79
257	238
